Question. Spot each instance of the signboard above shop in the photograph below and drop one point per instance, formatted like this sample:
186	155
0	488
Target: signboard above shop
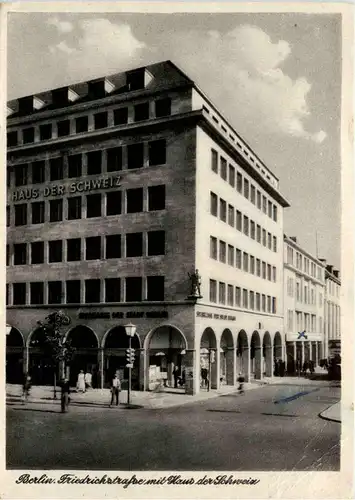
122	314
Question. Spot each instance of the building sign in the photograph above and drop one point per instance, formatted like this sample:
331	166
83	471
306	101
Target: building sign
62	189
201	314
122	315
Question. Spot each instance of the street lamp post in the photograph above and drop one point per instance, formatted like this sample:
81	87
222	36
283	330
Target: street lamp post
130	331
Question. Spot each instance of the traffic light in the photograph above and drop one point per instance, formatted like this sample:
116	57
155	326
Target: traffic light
130	357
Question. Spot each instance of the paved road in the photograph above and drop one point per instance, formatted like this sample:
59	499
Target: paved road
271	428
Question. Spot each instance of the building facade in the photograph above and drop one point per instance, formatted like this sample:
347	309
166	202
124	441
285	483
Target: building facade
131	199
332	311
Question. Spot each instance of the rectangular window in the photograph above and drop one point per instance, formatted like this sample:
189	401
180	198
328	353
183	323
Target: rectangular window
20	254
28	135
81	124
258	267
21	174
120	116
55	253
239	220
157	152
141	111
73	292
230	295
56	169
74	166
114	159
222	210
100	120
258	199
37	252
63	128
55	210
36	292
12	139
231	175
37	212
45	132
92	291
269	272
239	182
38	172
113	246
245	262
222	293
269	206
135	155
214	204
252	265
246	225
223	168
93	205
21	214
264	238
269	244
263	303
134	289
268	304
156	198
114	203
252	194
238	296
163	107
238	258
54	292
274	213
94	159
93	248
290	320
213	247
134	244
251	301
19	294
214	161
258	233
73	249
213	291
274	276
112	290
264	204
155	288
245	298
252	229
134	200
231	255
246	188
156	242
231	215
257	302
263	265
222	251
274	245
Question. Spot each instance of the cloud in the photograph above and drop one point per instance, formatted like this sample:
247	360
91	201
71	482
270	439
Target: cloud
62	47
62	26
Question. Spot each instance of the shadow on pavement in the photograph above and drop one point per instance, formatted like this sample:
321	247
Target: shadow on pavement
37	409
225	411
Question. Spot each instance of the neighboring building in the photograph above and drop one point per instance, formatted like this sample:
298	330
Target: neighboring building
118	190
332	312
304	295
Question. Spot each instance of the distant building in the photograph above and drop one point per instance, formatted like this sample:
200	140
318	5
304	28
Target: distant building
332	311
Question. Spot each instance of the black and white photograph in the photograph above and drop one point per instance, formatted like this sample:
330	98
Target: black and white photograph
175	267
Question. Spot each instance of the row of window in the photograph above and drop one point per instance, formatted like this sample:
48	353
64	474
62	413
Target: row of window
91	163
133	289
231	295
242	185
98	204
113	246
97	121
304	264
304	322
241	222
307	294
333	288
219	250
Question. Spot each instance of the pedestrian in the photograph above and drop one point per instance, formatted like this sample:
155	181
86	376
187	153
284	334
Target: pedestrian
311	367
176	376
64	399
305	368
241	380
282	368
88	380
26	387
204	376
80	385
115	389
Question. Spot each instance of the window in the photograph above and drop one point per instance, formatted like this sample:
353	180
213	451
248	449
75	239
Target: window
20	254
21	214
135	79
273	305
100	120
264	204
12	139
269	272
274	213
213	247
45	132
92	291
55	210
55	251
28	135
252	265
19	294
223	168
258	233
231	255
258	267
157	152
120	116
246	188
163	107
54	292
37	212
239	182
231	175
230	295
222	210
264	238
238	258
155	288
114	159
239	220
274	245
133	289
238	296
252	194
56	169
274	276
93	205
21	174
269	205
251	300
245	298
74	166
257	301
156	198
258	199
231	215
213	291
93	248
290	320
73	249
81	124
37	252
112	290
94	162
114	203
134	244
214	204
263	266
245	262
73	292
38	172
8	215
269	245
214	161
36	293
113	246
141	111
63	128
263	303
134	200
252	229
135	155
222	293
246	225
8	177
156	242
222	251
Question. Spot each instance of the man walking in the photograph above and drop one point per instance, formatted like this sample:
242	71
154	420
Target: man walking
115	389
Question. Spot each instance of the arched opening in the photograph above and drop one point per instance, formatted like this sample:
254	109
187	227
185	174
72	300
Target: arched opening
85	357
255	356
165	351
279	364
14	357
115	357
41	365
208	363
267	355
227	359
243	355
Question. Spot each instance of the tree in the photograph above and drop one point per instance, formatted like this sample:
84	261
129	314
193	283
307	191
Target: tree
60	349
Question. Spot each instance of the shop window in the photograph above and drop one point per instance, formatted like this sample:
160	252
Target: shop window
19	294
214	161
156	198
157	152
21	174
112	290
63	128
114	159
36	293
55	210
222	251
93	205
21	214
135	155
246	189
45	132
73	292
231	215
163	107
133	289
214	204
155	288
222	293
28	135
231	175
38	172
74	166
54	292
223	168
8	215
134	244
238	296
94	163
141	111
213	248
37	252
100	120
12	139
56	169
93	248
20	254
134	200
37	212
156	243
73	249
239	182
120	116
92	291
81	124
55	253
114	203
213	291
113	246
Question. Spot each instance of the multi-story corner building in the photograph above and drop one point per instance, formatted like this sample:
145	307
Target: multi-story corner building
332	311
304	295
119	189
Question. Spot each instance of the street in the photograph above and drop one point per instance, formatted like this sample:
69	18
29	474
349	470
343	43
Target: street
276	427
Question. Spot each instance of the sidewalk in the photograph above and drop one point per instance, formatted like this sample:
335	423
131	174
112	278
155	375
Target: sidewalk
332	413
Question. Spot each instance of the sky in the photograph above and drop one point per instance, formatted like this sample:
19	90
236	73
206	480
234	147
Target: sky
276	78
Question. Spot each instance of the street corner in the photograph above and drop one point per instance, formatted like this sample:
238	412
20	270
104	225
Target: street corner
332	413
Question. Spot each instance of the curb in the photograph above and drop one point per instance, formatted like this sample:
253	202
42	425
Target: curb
330	419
